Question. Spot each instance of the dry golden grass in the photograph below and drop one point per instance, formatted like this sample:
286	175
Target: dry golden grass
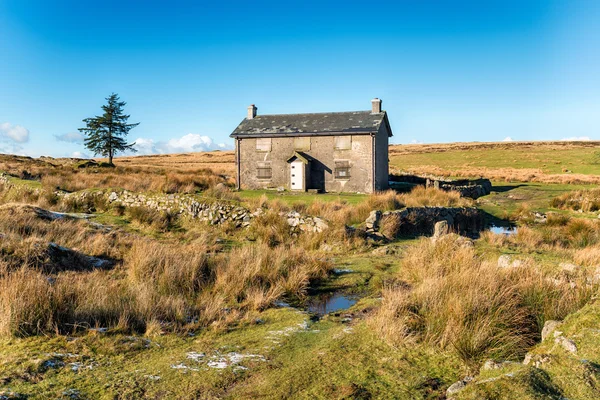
559	234
455	300
221	162
343	213
144	175
584	200
504	174
171	285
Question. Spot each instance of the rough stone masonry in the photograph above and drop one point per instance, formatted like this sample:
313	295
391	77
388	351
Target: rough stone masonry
213	212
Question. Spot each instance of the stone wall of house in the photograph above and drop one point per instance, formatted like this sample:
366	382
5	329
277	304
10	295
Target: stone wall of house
322	165
418	221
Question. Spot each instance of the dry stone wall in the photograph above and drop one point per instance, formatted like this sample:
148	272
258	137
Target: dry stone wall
473	189
213	212
416	221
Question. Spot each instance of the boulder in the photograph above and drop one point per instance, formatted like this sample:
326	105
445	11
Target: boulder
458	386
491	364
567	344
373	221
549	327
440	228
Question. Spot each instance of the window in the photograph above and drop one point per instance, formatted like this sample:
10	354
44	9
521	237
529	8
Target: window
343	143
264	170
302	143
342	170
263	144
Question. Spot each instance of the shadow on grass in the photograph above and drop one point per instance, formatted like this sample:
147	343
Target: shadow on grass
507	188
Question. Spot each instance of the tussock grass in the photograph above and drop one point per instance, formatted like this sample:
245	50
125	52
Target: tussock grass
458	301
584	200
175	285
558	234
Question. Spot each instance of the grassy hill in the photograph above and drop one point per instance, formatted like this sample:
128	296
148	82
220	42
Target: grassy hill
100	300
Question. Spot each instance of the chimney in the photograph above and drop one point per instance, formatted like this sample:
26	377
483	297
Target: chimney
375	106
251	111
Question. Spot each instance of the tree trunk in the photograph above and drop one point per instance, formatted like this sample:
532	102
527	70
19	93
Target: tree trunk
110	157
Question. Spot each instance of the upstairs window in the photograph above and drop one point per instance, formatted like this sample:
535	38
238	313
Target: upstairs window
264	171
342	170
343	143
302	143
263	144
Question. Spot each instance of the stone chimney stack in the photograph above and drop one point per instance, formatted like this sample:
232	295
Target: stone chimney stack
375	106
251	111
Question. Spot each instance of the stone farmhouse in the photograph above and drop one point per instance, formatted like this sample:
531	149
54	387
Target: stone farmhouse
323	152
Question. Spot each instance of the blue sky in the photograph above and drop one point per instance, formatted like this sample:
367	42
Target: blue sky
446	70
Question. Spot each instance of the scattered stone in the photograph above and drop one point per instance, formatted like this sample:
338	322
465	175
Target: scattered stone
569	267
72	394
326	247
536	359
194	356
382	251
491	365
458	386
506	261
549	327
53	363
540	218
440	228
10	395
567	344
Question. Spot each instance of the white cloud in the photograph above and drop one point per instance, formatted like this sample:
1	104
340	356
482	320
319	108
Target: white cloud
71	137
415	141
507	139
79	154
11	148
186	144
15	133
576	139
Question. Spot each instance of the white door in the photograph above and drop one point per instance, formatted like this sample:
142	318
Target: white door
297	175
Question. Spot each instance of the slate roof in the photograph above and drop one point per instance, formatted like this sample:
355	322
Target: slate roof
316	124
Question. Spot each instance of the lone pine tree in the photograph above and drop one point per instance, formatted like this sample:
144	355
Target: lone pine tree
105	134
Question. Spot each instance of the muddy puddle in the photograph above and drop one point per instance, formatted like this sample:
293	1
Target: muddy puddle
503	230
326	303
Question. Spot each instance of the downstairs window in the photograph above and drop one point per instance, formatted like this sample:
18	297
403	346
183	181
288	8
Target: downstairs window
264	171
342	170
